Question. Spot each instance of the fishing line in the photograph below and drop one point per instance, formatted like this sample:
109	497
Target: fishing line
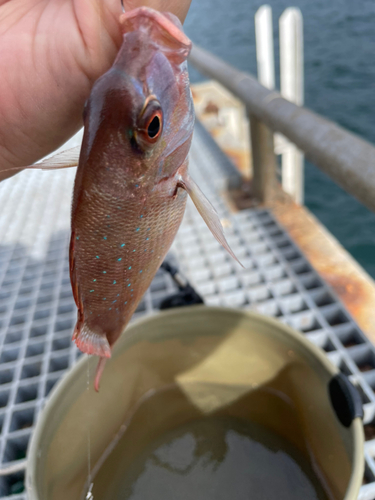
89	495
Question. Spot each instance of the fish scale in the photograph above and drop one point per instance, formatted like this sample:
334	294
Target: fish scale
112	288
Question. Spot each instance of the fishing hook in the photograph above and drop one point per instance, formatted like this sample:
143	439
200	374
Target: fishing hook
122	6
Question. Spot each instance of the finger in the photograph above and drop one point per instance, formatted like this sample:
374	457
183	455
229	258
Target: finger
177	7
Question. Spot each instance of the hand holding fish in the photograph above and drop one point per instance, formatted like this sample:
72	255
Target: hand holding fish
51	53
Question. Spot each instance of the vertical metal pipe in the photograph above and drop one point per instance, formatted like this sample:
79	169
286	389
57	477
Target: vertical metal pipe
262	147
264	164
264	46
291	85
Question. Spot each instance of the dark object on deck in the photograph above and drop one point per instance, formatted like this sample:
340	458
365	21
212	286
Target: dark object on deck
186	296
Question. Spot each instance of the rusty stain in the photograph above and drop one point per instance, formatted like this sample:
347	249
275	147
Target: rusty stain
225	119
354	287
240	159
211	107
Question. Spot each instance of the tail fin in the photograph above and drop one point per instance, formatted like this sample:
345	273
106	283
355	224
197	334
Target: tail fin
91	342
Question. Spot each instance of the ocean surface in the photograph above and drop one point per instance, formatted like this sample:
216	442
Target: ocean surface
339	52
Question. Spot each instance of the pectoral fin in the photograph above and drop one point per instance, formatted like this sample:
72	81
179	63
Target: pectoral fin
65	159
207	212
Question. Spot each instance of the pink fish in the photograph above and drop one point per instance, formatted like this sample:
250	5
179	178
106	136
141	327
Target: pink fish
132	180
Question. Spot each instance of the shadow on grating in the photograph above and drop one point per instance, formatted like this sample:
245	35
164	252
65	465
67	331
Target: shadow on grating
12	485
22	419
28	392
15	448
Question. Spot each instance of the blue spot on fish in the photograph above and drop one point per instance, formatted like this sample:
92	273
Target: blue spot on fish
108	216
114	282
77	238
110	309
148	229
97	257
104	298
129	267
132	290
137	229
104	237
125	303
120	258
140	271
137	185
134	250
114	301
147	239
93	280
118	295
119	208
104	272
129	284
141	216
123	244
92	291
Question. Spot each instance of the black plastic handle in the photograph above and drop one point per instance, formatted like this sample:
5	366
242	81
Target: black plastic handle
345	399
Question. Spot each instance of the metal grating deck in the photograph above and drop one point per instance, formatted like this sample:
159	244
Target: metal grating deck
37	311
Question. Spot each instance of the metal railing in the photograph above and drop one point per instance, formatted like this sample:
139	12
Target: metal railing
345	157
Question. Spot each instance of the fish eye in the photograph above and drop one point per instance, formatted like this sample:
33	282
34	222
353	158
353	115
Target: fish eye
154	127
150	123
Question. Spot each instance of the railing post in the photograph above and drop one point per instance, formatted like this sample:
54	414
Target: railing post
264	46
261	137
264	164
291	85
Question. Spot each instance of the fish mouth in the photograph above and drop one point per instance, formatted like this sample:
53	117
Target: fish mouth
163	28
